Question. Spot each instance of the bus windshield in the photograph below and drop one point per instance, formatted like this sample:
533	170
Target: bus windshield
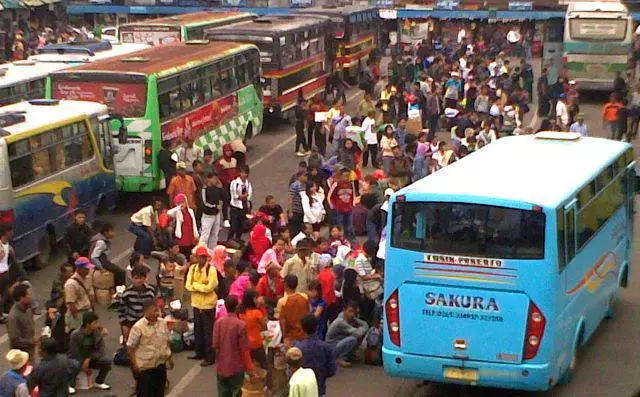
598	29
468	229
124	95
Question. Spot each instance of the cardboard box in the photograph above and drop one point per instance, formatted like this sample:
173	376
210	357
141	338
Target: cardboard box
414	125
103	296
102	279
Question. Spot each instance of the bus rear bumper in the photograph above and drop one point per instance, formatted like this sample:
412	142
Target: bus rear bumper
594	85
532	377
137	184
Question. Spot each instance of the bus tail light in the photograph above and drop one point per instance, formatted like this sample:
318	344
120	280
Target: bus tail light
148	151
564	60
535	331
392	311
7	216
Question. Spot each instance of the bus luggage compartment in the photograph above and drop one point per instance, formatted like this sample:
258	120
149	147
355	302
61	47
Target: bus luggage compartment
463	323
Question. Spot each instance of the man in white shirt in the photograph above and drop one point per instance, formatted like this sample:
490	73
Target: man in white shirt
562	112
240	203
579	126
371	138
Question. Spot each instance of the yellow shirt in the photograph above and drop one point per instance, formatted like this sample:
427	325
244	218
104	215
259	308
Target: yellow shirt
202	282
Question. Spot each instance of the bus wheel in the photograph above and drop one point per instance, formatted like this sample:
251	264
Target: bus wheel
46	249
611	310
248	134
575	361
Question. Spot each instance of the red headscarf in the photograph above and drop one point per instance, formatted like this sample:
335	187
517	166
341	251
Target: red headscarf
259	243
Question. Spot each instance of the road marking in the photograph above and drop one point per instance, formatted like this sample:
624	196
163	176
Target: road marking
185	381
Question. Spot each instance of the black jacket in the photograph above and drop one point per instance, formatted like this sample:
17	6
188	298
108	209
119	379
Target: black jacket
77	239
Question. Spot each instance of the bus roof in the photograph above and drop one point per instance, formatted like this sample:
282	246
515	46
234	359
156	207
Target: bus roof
39	116
334	11
158	59
525	169
272	24
75	55
193	18
597	6
20	71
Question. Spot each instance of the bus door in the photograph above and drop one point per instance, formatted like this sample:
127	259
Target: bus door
102	133
569	240
552	49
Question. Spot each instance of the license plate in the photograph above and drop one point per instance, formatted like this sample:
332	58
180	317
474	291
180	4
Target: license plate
461	374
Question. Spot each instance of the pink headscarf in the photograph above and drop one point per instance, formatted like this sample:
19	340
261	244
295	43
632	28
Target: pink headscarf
269	256
219	257
179	198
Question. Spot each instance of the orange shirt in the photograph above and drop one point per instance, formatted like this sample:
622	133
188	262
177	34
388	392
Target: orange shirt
183	184
291	308
253	319
610	111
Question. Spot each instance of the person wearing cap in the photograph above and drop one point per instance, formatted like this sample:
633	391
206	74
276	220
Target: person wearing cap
231	342
149	352
13	383
182	183
202	280
303	381
78	294
21	326
562	112
86	345
579	126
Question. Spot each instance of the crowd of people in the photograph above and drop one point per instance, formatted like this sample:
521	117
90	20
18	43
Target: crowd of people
271	288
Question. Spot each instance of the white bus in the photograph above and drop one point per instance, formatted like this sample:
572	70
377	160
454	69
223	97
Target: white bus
55	158
597	43
24	80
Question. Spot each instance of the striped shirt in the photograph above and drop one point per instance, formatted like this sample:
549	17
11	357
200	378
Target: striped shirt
131	302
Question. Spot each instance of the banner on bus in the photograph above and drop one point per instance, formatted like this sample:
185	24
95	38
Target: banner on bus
234	3
520	5
447	4
384	3
201	120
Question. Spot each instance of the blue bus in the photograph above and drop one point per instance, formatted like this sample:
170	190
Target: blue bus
55	157
501	266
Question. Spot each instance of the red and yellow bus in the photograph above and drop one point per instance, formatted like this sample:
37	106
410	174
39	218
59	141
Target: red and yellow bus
354	32
292	54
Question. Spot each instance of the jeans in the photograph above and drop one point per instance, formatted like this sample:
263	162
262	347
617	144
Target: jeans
612	129
345	348
345	221
144	241
203	332
372	230
210	230
237	218
300	138
102	364
230	386
419	168
295	223
373	150
151	382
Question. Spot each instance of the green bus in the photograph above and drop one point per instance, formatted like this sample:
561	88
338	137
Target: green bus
184	27
205	92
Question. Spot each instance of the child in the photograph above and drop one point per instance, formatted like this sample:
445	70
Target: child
318	308
242	282
167	279
327	280
256	323
135	260
228	278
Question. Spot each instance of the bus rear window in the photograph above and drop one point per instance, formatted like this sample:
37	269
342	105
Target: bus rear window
125	99
592	29
468	229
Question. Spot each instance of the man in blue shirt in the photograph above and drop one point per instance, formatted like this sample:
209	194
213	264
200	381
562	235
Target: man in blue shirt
579	126
316	354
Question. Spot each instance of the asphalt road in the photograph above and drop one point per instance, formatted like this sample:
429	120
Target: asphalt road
607	368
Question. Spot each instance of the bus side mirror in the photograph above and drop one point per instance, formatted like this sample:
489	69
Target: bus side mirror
121	133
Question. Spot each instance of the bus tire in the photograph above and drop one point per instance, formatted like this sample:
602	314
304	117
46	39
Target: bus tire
611	309
248	134
45	250
624	279
575	360
102	207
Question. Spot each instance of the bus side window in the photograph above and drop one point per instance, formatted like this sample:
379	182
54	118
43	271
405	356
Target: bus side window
562	260
421	226
570	234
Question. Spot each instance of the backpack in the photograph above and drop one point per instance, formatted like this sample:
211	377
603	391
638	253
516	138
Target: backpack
121	357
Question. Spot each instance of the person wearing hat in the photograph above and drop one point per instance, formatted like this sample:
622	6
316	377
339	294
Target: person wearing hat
13	383
182	184
579	126
78	295
303	381
202	280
